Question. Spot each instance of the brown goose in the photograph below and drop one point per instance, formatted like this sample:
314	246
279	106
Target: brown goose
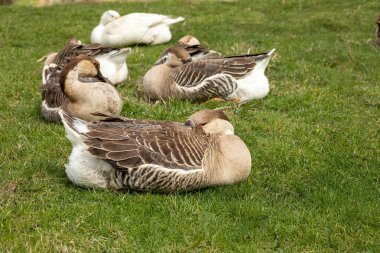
79	88
237	78
161	156
112	64
87	91
377	35
192	46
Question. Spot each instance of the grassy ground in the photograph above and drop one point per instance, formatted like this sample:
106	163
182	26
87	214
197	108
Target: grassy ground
314	140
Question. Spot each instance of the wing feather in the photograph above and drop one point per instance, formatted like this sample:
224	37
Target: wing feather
197	71
127	145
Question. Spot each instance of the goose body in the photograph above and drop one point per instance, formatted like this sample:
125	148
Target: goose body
87	91
112	61
134	28
192	46
159	156
237	78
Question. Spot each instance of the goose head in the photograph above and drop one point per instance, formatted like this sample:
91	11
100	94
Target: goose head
177	56
189	40
82	68
73	42
211	122
109	16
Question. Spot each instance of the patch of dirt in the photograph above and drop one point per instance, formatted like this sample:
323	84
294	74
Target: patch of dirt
8	190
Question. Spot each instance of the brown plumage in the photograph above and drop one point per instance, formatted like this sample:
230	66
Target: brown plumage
75	48
52	95
149	155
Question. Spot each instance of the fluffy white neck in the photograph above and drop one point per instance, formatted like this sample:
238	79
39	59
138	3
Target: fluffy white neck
96	34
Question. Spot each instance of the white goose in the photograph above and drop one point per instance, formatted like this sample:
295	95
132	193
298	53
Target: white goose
237	78
131	29
163	156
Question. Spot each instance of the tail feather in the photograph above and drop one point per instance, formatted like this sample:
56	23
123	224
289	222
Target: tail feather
170	21
257	57
121	55
123	51
263	60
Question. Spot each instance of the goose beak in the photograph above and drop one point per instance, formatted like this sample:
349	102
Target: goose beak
189	123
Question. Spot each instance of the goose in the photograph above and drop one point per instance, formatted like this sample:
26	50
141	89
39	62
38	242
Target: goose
236	78
377	35
192	45
81	90
134	28
112	61
158	156
87	90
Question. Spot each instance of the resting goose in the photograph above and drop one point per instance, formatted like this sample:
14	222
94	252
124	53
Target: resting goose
131	29
78	88
193	47
377	35
112	61
87	91
159	156
237	78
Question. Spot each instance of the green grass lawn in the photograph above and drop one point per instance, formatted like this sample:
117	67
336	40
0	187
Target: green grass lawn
314	140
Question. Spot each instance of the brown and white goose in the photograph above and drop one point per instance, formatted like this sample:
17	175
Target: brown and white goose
160	156
87	91
237	78
112	61
82	91
192	45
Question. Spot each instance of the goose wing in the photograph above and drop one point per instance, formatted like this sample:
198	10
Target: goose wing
70	51
53	95
94	49
130	143
195	72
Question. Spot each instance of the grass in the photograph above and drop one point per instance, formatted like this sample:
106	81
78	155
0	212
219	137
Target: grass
314	140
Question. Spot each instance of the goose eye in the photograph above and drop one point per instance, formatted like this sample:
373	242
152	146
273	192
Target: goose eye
189	123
